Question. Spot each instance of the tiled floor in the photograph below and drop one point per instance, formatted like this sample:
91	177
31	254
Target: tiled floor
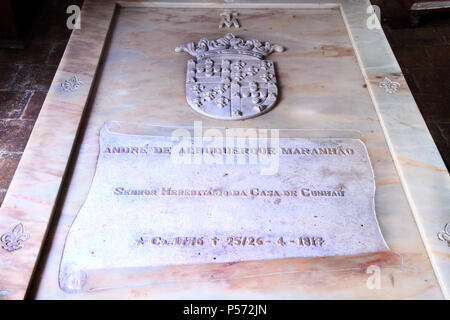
424	56
25	75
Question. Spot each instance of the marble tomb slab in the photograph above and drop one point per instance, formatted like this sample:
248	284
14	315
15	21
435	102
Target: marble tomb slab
337	74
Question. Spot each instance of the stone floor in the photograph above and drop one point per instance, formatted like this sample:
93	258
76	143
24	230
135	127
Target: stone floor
25	75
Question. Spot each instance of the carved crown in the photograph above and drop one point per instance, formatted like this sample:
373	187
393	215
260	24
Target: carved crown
229	44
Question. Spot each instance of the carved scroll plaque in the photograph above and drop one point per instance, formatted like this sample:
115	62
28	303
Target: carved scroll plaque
148	207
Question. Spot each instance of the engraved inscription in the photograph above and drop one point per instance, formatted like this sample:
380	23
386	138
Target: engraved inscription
303	151
233	241
253	192
146	209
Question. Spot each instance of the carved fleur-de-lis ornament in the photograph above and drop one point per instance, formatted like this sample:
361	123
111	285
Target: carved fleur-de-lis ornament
445	235
14	240
389	86
72	84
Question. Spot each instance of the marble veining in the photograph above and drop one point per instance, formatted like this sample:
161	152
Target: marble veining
331	97
329	80
33	192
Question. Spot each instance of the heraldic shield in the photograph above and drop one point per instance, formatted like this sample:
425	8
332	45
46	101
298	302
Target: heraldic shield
229	79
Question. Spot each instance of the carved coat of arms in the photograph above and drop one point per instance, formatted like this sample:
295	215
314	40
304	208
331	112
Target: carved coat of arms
229	79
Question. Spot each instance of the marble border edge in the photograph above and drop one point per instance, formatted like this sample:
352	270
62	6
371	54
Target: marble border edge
423	174
37	182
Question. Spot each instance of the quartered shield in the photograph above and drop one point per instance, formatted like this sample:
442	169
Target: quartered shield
230	79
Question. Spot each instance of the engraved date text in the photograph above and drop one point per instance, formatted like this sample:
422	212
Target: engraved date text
233	241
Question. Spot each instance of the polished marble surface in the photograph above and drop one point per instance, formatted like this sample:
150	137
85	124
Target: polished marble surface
321	88
328	79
